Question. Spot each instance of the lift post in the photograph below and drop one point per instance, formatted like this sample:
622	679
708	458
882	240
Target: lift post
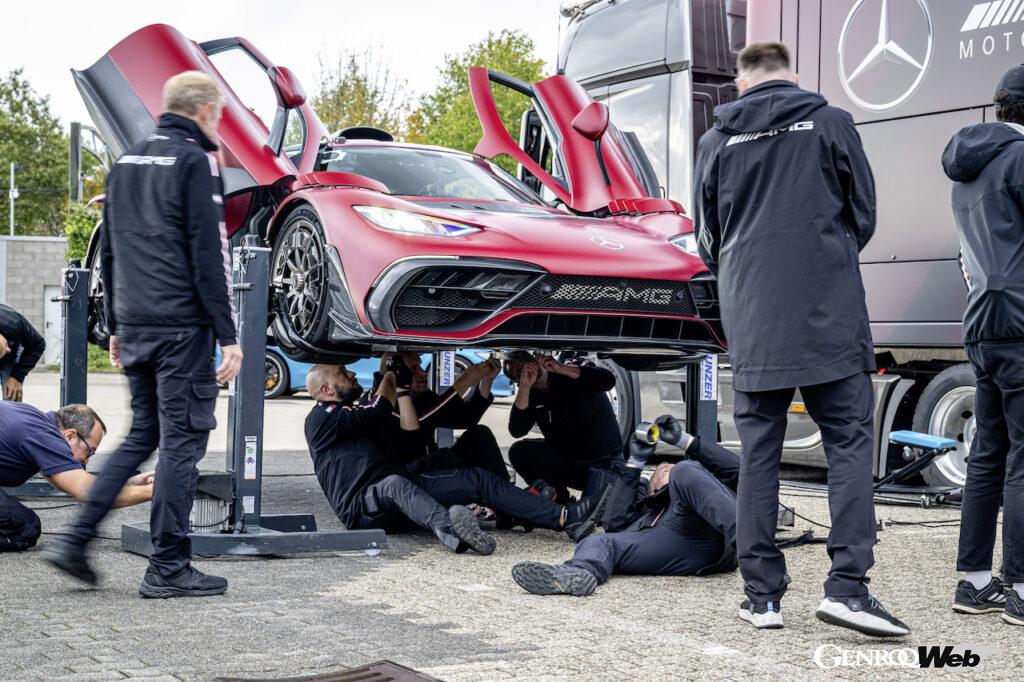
442	376
74	366
237	493
701	398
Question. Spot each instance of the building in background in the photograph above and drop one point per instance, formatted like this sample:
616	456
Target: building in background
30	276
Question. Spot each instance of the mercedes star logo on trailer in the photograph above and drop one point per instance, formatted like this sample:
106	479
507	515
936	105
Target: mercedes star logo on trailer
884	51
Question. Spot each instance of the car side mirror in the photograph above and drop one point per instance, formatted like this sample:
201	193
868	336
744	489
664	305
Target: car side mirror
592	122
288	87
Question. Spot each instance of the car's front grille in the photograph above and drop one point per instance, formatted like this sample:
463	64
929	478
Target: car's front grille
575	292
627	327
456	296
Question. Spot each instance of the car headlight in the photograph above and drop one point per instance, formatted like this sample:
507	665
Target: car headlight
412	223
687	243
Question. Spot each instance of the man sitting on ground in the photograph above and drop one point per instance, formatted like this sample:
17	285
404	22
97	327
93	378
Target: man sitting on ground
570	405
682	523
476	447
58	445
369	485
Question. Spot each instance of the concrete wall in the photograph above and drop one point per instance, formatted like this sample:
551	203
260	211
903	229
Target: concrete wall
27	266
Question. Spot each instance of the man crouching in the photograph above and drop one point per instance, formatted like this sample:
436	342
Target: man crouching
364	477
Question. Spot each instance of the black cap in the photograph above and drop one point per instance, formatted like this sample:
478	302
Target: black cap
1012	83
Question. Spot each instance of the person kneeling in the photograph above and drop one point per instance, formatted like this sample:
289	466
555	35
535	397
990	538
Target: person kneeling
682	523
369	485
58	445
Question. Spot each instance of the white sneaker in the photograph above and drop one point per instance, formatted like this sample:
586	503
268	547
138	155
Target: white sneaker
762	615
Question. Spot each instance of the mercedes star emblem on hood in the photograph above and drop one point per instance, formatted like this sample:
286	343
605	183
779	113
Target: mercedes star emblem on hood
607	243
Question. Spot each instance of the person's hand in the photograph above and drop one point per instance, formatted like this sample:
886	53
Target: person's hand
550	364
528	375
639	453
12	390
115	352
492	368
145	478
672	431
230	363
387	388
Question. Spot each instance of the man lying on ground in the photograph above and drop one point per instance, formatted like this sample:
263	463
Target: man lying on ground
58	445
681	523
369	484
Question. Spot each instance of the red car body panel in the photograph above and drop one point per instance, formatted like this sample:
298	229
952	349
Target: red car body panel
563	99
124	93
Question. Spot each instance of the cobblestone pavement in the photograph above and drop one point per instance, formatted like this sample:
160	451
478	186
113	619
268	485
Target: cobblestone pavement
461	617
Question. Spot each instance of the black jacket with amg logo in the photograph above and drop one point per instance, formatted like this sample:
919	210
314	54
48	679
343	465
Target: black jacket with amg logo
164	256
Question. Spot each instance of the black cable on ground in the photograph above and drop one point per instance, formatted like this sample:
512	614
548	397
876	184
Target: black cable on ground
56	506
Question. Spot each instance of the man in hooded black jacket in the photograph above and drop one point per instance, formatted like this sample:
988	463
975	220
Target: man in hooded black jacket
784	201
986	161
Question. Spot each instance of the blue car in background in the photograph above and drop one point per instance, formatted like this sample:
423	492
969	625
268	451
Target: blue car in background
286	376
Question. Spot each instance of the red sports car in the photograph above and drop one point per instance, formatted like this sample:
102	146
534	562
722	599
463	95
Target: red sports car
379	243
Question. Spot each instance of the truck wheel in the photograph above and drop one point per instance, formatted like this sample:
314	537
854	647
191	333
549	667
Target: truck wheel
277	380
946	408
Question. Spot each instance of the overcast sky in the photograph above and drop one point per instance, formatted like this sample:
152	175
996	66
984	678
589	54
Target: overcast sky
49	37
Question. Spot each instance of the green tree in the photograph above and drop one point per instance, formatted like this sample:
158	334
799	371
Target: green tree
78	226
359	89
446	116
31	135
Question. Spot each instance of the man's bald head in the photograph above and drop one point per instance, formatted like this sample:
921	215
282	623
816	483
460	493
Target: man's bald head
332	383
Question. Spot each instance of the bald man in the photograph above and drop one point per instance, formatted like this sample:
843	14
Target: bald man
369	484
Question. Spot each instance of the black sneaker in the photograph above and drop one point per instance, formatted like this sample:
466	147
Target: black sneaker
762	615
1013	613
541	488
989	599
188	582
70	558
538	578
582	517
467	528
863	614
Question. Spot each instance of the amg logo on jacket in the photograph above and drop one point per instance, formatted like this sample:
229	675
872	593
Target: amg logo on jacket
148	160
748	137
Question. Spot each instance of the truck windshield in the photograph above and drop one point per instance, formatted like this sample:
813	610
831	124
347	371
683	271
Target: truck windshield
424	173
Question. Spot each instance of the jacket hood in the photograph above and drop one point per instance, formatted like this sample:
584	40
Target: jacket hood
189	127
768	106
975	146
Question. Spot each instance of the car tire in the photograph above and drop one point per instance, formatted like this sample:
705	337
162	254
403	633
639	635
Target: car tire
946	408
621	396
299	271
96	324
277	381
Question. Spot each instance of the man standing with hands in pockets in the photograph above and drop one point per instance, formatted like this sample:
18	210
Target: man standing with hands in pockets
784	201
166	269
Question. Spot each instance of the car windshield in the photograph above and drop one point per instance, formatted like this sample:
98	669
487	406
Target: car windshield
424	173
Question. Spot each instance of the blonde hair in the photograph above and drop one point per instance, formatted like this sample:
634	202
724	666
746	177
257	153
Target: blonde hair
185	93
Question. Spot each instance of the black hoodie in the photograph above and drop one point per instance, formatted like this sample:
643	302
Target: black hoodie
784	201
986	161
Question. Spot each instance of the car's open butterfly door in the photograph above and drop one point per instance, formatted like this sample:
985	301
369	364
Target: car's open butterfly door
568	144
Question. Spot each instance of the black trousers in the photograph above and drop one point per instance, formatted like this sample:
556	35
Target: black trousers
19	525
995	468
399	503
476	447
844	411
171	377
689	538
534	458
